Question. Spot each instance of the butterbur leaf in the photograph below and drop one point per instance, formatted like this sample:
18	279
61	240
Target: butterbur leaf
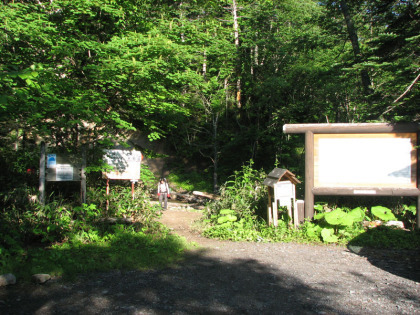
226	211
222	220
338	217
227	218
318	207
383	213
232	218
319	216
328	236
357	214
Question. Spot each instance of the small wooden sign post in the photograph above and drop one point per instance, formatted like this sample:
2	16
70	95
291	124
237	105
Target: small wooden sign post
281	192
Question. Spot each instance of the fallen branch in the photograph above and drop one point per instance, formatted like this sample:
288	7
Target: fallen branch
206	195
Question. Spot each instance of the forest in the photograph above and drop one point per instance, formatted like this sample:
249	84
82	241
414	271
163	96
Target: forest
214	80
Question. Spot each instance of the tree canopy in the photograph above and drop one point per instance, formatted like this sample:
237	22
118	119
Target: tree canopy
216	79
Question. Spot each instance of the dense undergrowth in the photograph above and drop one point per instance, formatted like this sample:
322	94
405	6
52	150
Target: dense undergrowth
240	216
64	238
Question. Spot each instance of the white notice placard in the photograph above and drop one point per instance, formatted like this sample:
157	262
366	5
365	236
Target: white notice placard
284	190
125	164
365	160
64	172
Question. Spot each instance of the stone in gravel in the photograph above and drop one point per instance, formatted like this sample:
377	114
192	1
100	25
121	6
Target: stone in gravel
41	278
7	279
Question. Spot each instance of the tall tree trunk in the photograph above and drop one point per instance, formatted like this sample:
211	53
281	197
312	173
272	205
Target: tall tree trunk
238	66
355	44
215	154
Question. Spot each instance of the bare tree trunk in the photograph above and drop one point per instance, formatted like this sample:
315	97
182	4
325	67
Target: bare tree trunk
215	154
355	44
238	68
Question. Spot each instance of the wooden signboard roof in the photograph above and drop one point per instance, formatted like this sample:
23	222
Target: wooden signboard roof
279	174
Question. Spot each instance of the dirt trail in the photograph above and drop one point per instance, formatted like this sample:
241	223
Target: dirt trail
238	278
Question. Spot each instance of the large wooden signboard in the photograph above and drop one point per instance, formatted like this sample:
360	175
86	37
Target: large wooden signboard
125	164
365	160
360	159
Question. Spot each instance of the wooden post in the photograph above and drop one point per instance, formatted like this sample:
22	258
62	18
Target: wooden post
418	179
295	213
83	177
132	188
107	194
269	207
309	174
300	205
275	213
42	174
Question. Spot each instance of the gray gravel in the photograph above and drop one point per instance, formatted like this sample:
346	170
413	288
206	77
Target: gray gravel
237	278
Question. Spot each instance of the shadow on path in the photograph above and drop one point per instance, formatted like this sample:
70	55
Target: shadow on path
201	285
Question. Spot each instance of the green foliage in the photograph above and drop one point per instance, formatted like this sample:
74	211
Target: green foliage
388	237
80	237
328	235
244	193
190	180
383	213
99	248
74	72
148	179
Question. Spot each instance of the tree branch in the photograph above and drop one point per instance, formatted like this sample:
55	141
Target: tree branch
408	89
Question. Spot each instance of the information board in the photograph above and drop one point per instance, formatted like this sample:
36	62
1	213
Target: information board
284	192
63	168
365	160
125	164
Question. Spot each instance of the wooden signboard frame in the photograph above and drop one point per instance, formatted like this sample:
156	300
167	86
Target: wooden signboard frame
61	168
400	182
126	165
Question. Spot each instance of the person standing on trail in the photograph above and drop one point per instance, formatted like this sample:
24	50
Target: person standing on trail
163	192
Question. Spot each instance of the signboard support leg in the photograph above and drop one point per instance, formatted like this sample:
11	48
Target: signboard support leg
295	213
270	207
107	194
275	213
42	174
309	174
83	177
132	188
418	179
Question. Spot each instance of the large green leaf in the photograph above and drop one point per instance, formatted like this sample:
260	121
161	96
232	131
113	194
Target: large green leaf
357	214
383	213
328	236
338	217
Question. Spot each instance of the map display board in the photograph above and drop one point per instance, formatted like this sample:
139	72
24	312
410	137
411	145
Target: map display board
62	168
365	160
125	164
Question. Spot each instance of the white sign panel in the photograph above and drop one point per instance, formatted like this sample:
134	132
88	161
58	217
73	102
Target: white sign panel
64	172
125	164
284	190
365	160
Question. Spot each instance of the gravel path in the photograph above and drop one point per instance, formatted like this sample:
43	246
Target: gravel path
237	278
